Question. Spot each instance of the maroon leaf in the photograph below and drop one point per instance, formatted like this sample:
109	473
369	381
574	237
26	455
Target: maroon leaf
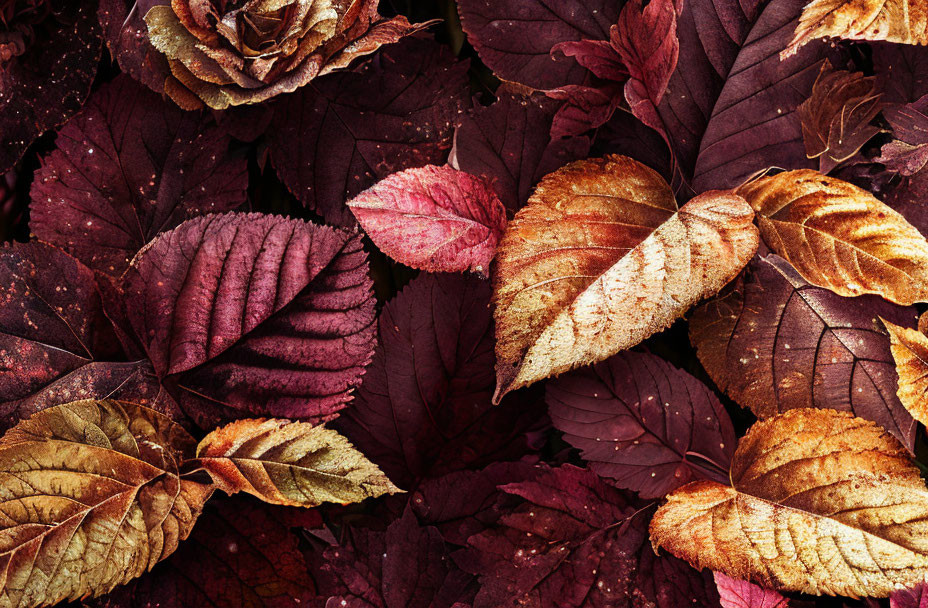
776	342
241	553
126	36
246	314
342	132
628	136
598	56
744	594
47	63
127	167
406	566
585	107
917	597
901	71
907	154
669	582
509	144
515	37
424	407
573	542
643	422
910	198
433	218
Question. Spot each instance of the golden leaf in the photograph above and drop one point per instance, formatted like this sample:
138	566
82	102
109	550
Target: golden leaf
902	21
599	259
821	502
91	499
839	236
910	352
289	463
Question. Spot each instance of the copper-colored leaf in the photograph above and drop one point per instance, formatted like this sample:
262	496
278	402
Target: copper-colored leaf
904	21
91	499
600	259
821	502
840	236
289	463
910	351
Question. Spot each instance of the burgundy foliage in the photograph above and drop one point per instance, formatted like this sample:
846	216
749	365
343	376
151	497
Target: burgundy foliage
917	597
743	594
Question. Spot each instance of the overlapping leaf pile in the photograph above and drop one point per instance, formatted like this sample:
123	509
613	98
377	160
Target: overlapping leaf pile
471	303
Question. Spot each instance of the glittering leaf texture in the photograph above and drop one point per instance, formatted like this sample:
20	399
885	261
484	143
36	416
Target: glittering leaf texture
743	594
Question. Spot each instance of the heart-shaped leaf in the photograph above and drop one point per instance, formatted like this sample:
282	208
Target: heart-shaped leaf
600	259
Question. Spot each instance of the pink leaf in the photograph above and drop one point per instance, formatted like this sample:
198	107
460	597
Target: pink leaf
916	597
743	594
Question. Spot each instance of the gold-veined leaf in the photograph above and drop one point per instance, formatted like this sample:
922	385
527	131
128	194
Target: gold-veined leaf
910	352
821	502
600	258
839	236
289	463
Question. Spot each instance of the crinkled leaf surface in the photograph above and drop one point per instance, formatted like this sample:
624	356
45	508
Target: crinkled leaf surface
643	422
289	463
600	259
92	499
250	314
916	597
515	38
840	236
775	342
433	218
509	143
339	134
47	84
821	502
424	406
126	168
901	71
745	594
910	351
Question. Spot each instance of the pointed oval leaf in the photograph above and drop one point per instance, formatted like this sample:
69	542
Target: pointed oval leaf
92	499
433	218
599	260
289	463
840	236
744	594
253	314
643	422
821	502
910	351
776	342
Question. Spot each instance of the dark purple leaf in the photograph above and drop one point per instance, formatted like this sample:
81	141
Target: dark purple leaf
907	154
241	553
573	543
585	107
910	198
626	135
127	167
774	342
917	597
643	422
515	37
424	407
509	144
341	133
669	582
406	566
53	61
901	71
251	315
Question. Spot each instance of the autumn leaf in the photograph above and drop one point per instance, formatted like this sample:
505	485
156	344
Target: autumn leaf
600	259
910	351
916	597
821	502
840	236
288	463
93	499
744	594
902	21
433	218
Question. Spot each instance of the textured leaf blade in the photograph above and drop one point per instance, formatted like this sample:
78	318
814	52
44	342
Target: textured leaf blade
819	478
289	463
433	218
916	597
910	351
840	236
599	260
744	594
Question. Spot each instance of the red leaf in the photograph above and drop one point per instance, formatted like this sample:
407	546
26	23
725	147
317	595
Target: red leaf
424	407
598	56
246	314
917	597
744	594
643	422
433	218
509	144
126	36
671	583
341	133
127	167
585	107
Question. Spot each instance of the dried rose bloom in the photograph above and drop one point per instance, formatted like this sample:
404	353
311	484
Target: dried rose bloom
224	52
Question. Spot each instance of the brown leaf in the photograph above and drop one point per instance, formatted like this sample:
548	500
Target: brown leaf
289	463
903	21
599	259
839	236
836	117
91	499
821	502
910	351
